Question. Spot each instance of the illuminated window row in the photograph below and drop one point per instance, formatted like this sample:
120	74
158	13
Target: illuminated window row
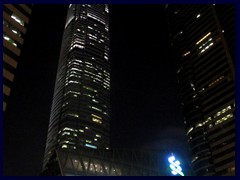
73	92
206	46
76	69
89	88
17	19
215	115
10	40
94	100
77	46
95	108
225	118
216	81
89	95
90	146
69	129
73	115
76	76
12	28
95	18
96	120
222	111
78	41
64	146
96	116
203	38
92	36
106	9
186	53
73	82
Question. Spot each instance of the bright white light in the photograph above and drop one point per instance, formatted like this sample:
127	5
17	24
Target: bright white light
14	31
171	159
177	162
6	38
198	15
91	146
175	166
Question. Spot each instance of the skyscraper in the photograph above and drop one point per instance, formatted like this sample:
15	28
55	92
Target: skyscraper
15	20
203	44
80	109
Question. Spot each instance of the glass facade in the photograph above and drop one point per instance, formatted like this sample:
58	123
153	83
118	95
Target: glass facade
80	109
202	40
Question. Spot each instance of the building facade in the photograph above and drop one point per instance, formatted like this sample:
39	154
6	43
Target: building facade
80	109
15	20
203	46
116	162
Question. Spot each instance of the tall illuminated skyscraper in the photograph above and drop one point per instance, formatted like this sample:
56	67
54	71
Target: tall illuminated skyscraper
80	109
203	44
15	20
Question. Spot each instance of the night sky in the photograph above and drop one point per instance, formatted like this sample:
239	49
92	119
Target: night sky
145	105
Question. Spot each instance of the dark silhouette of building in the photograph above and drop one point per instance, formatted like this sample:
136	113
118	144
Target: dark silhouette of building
203	46
15	20
81	101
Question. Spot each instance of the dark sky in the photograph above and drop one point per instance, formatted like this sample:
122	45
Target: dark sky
145	108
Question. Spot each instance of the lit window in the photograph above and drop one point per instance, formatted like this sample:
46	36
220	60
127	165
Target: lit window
73	115
64	146
204	37
10	40
95	18
106	8
194	159
91	146
186	53
96	108
222	111
216	81
66	133
96	120
205	43
97	135
68	129
225	118
190	130
96	116
17	19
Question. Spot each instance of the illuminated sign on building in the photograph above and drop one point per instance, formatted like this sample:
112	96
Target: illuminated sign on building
175	166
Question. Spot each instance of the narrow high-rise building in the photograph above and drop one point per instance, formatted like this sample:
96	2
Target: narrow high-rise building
203	46
81	101
15	20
